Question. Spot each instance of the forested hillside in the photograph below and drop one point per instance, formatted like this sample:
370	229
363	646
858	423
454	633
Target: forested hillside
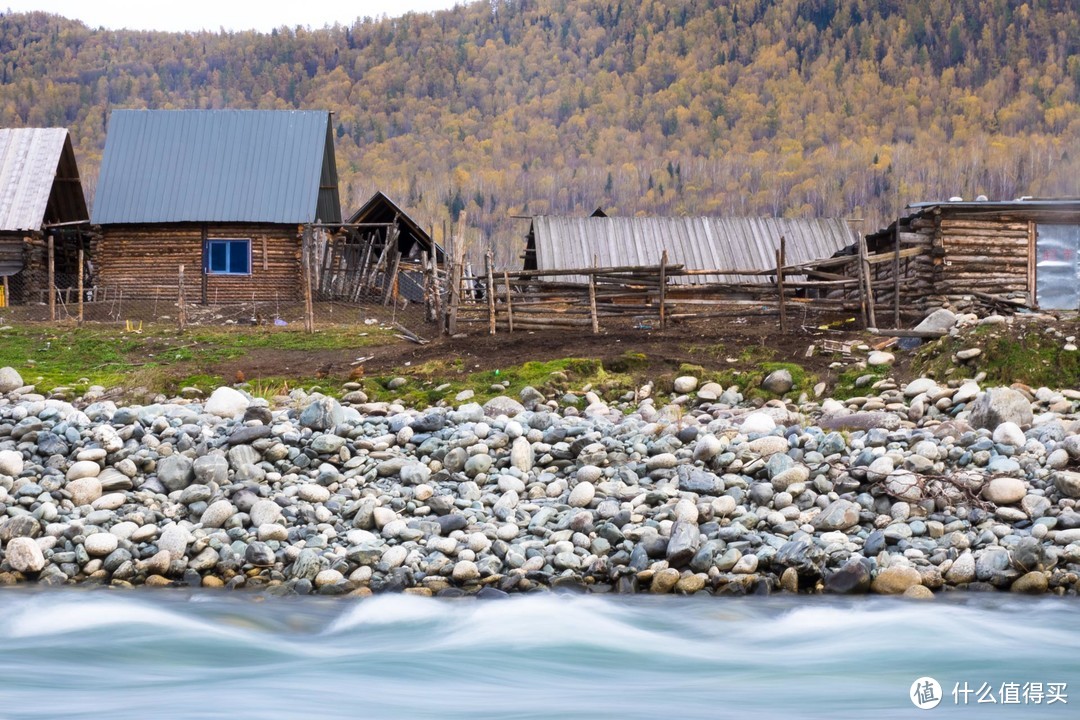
510	107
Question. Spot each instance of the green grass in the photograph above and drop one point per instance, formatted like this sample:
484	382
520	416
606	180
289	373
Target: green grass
159	358
1033	356
441	380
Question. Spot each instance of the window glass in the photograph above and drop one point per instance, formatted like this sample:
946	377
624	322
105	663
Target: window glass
228	257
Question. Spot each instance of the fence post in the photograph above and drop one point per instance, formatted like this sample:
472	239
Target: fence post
181	311
52	279
80	281
592	299
305	267
509	303
490	293
867	284
896	275
780	285
663	289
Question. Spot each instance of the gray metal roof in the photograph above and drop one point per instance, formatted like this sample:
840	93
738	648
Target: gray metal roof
30	164
699	243
1003	206
165	166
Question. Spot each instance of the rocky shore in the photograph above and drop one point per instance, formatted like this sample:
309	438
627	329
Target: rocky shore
911	489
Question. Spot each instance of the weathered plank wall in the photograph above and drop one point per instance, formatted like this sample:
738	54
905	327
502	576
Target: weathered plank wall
144	260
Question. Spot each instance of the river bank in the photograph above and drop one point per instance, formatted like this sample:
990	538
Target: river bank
913	488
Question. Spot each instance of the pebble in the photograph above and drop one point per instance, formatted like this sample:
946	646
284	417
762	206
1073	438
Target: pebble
844	497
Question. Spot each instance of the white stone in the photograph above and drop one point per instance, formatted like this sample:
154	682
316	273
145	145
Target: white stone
758	423
880	358
685	384
328	577
465	571
109	502
100	544
11	462
582	494
264	512
273	531
217	514
226	403
313	493
84	490
82	469
1009	433
10	379
1005	490
24	555
174	539
919	386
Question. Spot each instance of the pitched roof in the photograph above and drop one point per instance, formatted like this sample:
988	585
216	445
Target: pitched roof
163	166
699	243
38	165
381	209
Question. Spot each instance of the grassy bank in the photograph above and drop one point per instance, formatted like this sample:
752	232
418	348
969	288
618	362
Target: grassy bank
158	359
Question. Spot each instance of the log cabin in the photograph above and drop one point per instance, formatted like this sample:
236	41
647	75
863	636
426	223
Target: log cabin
41	201
228	194
960	255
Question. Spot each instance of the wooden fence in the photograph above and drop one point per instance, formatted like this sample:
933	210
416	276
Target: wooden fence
507	301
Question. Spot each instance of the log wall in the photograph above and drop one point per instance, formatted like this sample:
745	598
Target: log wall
144	261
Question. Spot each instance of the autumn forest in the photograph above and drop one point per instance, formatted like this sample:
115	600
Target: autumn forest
499	109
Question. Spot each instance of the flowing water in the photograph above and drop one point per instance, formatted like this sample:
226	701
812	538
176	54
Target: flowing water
142	654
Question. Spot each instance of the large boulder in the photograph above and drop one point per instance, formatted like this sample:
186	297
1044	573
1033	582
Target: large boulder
778	381
10	379
324	413
999	405
226	403
938	321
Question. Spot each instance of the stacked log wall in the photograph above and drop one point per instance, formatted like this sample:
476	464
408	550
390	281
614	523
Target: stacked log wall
144	261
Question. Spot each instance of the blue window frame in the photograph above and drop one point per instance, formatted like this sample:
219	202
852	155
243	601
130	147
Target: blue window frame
228	257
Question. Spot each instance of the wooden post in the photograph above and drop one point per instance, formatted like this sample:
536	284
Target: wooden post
80	281
490	292
1032	264
867	285
305	268
663	289
896	275
52	280
509	304
7	292
181	310
454	298
206	266
780	284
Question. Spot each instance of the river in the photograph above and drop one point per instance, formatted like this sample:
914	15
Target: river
172	654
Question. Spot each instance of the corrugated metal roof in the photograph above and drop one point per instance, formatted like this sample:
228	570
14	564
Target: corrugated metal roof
699	243
1000	206
29	161
274	166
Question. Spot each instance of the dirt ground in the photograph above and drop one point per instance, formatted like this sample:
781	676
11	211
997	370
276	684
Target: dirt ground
708	343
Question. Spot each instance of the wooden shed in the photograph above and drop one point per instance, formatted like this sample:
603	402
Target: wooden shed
228	194
951	254
41	202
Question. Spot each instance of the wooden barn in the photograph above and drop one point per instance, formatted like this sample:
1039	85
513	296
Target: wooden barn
960	255
696	243
379	241
41	203
228	194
